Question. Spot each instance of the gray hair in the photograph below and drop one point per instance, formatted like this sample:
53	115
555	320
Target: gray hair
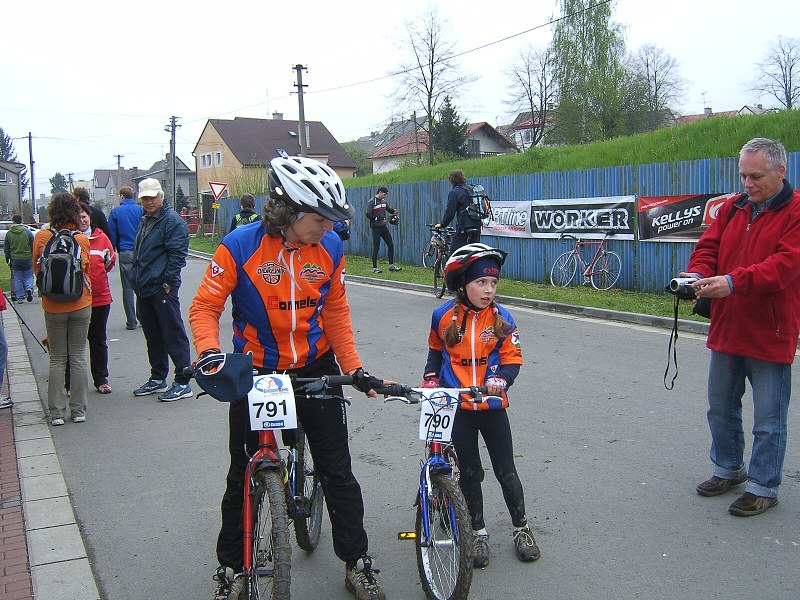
774	152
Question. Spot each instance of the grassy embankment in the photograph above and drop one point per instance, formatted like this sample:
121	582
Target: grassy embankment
712	138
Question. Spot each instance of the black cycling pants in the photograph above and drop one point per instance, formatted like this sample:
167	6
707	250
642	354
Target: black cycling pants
462	238
493	425
378	234
325	424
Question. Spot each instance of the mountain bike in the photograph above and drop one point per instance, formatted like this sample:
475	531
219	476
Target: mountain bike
440	255
602	271
281	485
443	530
437	241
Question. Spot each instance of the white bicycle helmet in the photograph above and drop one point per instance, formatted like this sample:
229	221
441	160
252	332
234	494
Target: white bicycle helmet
463	257
309	186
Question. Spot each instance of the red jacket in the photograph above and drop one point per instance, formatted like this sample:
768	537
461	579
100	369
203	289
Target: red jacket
100	248
760	319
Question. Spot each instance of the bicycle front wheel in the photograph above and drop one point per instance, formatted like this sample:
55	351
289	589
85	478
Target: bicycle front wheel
269	577
564	269
428	253
606	270
445	559
309	500
439	284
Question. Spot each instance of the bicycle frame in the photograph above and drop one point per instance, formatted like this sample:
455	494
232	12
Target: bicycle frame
586	268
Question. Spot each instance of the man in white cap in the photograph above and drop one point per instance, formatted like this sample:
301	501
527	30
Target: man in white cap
159	254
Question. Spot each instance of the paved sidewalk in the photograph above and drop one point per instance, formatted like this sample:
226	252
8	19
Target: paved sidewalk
42	555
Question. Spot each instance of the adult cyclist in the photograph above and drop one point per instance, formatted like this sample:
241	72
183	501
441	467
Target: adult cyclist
286	282
468	229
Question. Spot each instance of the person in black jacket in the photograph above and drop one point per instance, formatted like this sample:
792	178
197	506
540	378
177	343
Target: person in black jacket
379	225
468	230
159	254
247	214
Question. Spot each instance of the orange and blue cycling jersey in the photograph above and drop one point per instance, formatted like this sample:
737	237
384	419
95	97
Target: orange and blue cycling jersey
478	355
289	306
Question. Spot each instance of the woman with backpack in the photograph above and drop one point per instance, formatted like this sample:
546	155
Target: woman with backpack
468	227
61	262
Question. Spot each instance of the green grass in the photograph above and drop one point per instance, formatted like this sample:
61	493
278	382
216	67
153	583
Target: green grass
5	277
660	305
711	138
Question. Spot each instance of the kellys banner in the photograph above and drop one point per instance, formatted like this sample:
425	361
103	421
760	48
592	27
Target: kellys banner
678	217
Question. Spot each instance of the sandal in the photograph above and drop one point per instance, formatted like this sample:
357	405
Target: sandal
104	388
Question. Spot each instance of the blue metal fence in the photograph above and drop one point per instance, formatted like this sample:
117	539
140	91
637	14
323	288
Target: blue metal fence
646	265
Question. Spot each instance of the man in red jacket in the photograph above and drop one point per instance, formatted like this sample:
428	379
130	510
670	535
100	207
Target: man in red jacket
750	265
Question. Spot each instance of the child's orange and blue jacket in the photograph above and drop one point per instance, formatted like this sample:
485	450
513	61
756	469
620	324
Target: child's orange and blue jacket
289	307
478	355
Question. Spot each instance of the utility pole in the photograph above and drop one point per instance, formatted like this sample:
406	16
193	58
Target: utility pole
119	172
33	189
302	124
416	135
173	179
71	187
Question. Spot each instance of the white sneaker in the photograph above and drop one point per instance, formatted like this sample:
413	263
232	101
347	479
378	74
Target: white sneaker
79	419
5	402
56	422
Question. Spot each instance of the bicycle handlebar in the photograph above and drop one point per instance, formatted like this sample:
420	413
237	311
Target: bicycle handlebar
415	397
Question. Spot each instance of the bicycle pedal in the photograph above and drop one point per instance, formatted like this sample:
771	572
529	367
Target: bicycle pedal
407	535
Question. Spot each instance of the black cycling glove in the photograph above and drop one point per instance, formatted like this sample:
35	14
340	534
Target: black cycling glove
364	382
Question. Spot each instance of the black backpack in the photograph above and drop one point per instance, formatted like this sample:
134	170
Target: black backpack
60	276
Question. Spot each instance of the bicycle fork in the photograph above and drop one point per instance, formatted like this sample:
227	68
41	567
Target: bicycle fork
436	464
262	459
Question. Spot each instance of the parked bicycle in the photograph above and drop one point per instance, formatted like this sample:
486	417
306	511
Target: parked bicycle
441	252
281	485
443	531
440	240
602	271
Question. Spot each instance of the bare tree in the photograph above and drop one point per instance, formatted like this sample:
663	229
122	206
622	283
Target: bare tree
533	89
780	73
655	76
430	73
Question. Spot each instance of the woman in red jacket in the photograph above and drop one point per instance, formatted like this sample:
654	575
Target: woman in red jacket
101	261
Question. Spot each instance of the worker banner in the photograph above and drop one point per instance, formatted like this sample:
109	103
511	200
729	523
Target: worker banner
584	217
678	218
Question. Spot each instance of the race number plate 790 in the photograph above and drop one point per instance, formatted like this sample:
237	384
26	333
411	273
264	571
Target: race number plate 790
271	403
437	413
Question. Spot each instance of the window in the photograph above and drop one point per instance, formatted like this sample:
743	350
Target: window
474	148
205	160
3	176
217	159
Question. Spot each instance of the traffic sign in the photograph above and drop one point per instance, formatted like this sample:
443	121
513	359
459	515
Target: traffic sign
215	205
217	188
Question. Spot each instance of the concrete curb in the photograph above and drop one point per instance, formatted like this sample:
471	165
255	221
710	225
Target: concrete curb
59	563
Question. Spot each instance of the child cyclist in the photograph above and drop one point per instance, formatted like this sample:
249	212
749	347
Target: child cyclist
474	341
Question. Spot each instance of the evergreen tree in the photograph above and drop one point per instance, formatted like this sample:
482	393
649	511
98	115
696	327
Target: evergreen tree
8	154
449	131
58	183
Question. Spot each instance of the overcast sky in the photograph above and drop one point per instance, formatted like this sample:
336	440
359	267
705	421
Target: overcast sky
92	79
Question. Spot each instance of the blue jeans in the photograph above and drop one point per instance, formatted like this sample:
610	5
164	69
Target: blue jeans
772	386
21	277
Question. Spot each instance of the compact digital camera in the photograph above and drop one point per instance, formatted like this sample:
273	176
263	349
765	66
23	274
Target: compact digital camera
682	287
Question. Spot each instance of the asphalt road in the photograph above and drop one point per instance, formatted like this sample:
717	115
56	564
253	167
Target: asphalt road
608	458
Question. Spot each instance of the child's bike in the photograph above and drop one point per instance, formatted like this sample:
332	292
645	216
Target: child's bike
443	530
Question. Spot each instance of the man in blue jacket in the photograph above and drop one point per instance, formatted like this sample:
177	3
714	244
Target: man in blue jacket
159	254
122	224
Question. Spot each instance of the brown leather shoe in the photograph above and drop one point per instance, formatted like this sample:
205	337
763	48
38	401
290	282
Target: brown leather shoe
717	485
748	505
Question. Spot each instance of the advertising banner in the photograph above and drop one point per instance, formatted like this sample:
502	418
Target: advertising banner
510	219
678	217
584	217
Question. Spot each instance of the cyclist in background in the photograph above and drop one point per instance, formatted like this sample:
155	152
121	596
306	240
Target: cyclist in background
290	310
247	214
474	341
468	229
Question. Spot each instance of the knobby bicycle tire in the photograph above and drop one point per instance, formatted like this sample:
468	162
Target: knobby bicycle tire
270	577
439	284
563	270
307	528
445	564
428	253
606	270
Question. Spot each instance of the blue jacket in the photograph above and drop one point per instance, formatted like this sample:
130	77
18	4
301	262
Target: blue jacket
123	223
457	202
159	252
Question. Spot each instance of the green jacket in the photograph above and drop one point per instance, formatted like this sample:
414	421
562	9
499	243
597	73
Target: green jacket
18	244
